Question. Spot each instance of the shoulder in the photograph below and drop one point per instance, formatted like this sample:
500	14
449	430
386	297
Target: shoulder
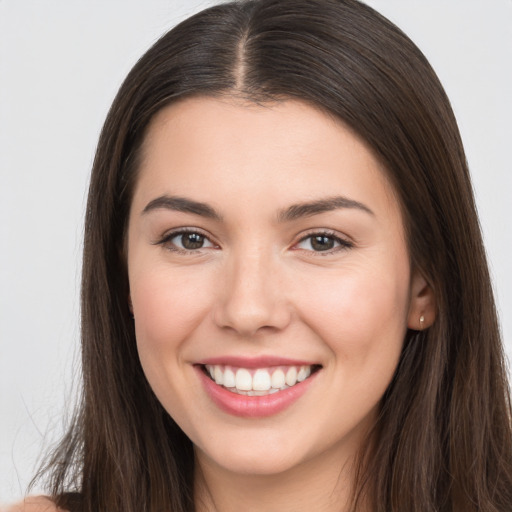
33	504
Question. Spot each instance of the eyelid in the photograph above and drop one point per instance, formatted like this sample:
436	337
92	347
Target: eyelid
169	235
344	241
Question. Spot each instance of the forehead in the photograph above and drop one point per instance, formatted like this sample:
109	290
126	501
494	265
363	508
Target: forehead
228	151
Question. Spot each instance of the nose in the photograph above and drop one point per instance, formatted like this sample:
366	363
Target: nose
252	296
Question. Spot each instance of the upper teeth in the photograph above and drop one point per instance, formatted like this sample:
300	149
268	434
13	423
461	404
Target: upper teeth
261	380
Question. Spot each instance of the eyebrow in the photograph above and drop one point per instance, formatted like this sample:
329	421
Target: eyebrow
181	204
311	208
293	212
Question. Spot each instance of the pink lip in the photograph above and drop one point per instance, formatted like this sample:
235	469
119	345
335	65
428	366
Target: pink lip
254	362
252	406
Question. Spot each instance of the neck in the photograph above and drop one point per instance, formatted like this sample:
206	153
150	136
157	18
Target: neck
320	484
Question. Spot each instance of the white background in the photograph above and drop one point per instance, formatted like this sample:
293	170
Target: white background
61	63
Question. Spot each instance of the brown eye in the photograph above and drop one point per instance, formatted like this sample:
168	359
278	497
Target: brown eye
191	241
181	241
323	242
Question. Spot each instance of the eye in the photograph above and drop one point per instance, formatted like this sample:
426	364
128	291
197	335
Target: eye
186	241
323	242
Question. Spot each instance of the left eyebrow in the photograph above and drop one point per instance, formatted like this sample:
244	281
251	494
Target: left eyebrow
311	208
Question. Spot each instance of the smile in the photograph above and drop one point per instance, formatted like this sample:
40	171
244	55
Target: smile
255	388
258	381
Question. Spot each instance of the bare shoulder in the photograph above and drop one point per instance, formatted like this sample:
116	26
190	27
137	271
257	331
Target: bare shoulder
33	504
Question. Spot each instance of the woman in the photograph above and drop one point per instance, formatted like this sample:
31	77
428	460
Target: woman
285	299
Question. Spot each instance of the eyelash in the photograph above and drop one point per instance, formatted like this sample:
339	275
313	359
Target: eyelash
342	243
166	240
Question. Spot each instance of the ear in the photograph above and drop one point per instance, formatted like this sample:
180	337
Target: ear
422	308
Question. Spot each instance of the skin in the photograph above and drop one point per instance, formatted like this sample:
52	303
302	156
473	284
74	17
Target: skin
33	504
258	287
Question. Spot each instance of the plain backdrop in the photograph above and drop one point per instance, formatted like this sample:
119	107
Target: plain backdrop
61	63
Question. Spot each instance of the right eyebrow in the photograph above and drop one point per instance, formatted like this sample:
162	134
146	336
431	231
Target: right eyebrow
180	204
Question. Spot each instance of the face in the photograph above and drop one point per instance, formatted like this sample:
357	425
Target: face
270	281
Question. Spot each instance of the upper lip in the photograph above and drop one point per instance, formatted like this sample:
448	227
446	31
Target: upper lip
255	362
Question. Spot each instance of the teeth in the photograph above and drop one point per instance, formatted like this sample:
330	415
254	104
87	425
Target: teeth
243	380
278	379
218	375
304	373
259	382
291	376
229	378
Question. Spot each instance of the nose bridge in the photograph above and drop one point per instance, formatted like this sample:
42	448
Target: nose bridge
252	296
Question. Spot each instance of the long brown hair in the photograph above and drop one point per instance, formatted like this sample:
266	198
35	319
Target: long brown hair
443	438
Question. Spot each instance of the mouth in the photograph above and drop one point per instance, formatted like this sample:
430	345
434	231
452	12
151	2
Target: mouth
258	381
256	387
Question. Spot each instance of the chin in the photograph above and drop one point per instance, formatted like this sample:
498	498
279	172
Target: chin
261	456
257	463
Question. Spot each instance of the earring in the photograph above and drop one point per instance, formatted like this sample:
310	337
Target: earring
422	322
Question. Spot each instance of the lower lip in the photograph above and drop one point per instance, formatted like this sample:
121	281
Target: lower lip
253	406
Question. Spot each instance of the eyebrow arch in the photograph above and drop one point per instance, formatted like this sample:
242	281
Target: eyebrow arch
293	212
311	208
181	204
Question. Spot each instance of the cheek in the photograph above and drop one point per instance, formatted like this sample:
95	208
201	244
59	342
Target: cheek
361	318
360	313
167	306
